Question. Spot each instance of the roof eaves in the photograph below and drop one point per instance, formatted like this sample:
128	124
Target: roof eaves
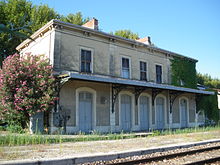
124	39
104	34
35	35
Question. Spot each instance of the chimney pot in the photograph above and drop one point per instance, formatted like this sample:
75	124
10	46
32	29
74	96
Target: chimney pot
92	24
145	40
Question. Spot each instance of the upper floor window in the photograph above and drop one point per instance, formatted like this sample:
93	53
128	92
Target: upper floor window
125	68
86	61
158	74
143	70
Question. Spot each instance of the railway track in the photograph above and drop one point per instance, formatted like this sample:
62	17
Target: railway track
206	161
172	156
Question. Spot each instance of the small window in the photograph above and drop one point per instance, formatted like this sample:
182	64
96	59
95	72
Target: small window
125	68
158	74
86	58
143	70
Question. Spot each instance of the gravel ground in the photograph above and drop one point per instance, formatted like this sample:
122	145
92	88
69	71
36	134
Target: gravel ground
192	158
70	150
181	160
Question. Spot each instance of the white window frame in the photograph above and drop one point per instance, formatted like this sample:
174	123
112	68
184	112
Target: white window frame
92	52
129	58
147	72
156	72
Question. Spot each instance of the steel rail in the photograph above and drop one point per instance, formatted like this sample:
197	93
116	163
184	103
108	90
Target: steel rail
168	156
206	161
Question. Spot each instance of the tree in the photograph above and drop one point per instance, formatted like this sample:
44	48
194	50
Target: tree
76	18
12	33
209	103
26	18
207	80
126	34
26	88
40	15
14	14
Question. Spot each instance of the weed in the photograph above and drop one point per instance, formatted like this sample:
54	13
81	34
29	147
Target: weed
15	129
11	139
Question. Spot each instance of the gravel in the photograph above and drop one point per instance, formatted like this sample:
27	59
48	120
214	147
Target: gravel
181	160
92	148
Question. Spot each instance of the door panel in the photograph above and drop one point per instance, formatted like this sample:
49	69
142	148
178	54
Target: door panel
183	111
144	112
126	112
160	112
85	111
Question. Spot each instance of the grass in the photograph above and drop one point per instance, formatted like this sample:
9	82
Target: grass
12	139
185	130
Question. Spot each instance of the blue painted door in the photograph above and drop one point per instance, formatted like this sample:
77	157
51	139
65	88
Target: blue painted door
144	113
85	111
183	111
125	112
160	112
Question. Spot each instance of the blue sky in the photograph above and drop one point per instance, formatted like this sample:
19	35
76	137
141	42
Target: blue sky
187	27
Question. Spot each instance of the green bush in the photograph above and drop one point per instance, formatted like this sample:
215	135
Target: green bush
15	129
27	87
210	106
2	128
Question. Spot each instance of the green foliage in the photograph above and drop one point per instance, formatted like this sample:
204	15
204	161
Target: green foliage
11	139
183	72
26	88
14	15
209	104
76	18
207	80
15	129
126	34
40	15
20	18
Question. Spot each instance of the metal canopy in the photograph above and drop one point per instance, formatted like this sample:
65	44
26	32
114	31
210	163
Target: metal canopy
113	80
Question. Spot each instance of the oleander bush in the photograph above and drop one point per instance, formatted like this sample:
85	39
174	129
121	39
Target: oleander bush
26	88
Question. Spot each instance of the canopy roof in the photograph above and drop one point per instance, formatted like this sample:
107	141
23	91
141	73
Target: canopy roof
114	80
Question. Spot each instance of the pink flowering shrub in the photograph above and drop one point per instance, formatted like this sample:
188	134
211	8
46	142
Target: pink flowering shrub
26	87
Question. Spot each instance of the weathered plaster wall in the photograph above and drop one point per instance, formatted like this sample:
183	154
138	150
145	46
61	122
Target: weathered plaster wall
68	101
42	45
107	55
191	106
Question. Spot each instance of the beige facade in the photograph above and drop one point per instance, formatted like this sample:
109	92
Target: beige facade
106	56
101	94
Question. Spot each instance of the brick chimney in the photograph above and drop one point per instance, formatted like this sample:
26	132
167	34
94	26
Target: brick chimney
145	40
92	24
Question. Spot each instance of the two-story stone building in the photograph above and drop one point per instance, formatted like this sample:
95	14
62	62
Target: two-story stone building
112	83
